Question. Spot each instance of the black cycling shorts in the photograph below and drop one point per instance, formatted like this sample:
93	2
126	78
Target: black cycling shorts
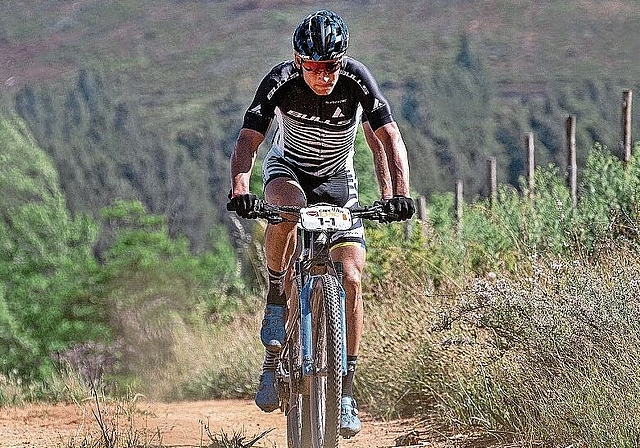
339	189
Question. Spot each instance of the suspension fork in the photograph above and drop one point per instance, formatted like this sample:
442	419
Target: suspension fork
305	326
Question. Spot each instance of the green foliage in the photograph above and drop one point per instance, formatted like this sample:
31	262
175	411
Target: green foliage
44	257
155	288
516	226
143	243
58	304
452	110
103	153
363	164
521	319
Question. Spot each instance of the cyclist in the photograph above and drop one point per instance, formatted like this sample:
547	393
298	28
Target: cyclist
318	100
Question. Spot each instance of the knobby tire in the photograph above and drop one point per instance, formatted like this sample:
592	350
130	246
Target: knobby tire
326	385
313	408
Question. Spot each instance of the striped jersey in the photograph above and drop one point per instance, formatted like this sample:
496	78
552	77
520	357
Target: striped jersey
316	133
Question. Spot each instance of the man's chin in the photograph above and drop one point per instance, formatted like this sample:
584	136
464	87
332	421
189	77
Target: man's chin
323	91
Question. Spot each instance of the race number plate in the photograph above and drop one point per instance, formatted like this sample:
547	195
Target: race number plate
325	217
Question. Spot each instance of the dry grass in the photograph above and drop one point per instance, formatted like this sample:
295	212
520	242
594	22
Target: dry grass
117	423
121	423
220	362
541	358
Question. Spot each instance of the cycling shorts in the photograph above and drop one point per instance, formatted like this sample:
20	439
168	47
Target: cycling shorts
339	189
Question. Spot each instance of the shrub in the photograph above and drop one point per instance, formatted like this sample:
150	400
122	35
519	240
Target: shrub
523	320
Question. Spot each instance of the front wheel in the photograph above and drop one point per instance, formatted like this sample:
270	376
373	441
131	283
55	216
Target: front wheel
326	382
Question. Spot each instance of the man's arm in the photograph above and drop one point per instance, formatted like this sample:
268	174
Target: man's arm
379	161
243	159
396	154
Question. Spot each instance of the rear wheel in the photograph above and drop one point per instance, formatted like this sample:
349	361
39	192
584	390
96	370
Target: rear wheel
326	383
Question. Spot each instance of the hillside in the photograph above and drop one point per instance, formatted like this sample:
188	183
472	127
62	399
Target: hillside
466	80
208	41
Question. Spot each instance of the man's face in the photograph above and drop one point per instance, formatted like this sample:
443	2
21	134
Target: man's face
321	76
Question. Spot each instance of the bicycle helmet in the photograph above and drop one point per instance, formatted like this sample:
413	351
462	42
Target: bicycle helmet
321	36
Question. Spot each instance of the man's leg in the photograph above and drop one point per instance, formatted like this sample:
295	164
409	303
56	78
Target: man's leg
280	244
352	258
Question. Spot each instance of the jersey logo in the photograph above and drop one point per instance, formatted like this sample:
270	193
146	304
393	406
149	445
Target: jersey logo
316	119
377	104
338	113
256	110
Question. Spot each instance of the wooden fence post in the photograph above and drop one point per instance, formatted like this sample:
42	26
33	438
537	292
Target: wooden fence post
422	214
531	167
492	179
572	169
408	226
459	203
627	97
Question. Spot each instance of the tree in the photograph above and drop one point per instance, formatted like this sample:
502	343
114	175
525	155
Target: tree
453	112
45	255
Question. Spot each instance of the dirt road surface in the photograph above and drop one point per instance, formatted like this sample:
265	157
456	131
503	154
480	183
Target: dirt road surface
169	425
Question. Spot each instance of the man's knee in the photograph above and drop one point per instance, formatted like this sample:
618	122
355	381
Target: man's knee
352	260
284	191
352	278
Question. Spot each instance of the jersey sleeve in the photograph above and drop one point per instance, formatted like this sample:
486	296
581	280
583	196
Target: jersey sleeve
261	111
376	109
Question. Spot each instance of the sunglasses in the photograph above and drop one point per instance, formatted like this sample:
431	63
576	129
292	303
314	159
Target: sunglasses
318	68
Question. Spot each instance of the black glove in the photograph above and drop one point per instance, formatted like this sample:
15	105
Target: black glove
245	205
399	208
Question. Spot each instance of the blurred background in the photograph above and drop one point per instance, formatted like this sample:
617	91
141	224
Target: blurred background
143	100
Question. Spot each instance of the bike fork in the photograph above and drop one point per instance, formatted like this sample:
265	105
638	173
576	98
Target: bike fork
305	327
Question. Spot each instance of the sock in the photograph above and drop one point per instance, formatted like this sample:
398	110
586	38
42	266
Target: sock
276	295
347	380
270	362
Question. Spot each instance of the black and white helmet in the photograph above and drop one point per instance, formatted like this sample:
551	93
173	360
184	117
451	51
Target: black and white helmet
321	36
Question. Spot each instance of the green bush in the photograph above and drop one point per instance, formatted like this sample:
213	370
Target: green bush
158	293
121	317
523	319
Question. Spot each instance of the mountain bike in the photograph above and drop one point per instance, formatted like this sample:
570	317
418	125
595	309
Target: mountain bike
313	359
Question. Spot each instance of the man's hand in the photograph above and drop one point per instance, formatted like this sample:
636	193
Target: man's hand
245	205
399	208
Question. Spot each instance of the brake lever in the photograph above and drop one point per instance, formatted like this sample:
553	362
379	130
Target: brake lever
274	219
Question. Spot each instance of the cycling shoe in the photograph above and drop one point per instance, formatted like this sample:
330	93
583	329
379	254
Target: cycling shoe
349	422
267	395
272	331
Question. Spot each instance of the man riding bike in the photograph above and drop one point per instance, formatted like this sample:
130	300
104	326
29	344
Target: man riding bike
318	100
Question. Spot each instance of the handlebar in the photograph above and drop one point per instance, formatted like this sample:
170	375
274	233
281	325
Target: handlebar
275	214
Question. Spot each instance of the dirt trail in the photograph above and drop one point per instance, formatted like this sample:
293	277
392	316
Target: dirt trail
173	424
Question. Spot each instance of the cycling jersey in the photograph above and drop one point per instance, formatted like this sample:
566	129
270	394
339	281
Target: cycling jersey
316	133
314	142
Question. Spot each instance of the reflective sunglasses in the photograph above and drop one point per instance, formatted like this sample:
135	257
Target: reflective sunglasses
318	68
